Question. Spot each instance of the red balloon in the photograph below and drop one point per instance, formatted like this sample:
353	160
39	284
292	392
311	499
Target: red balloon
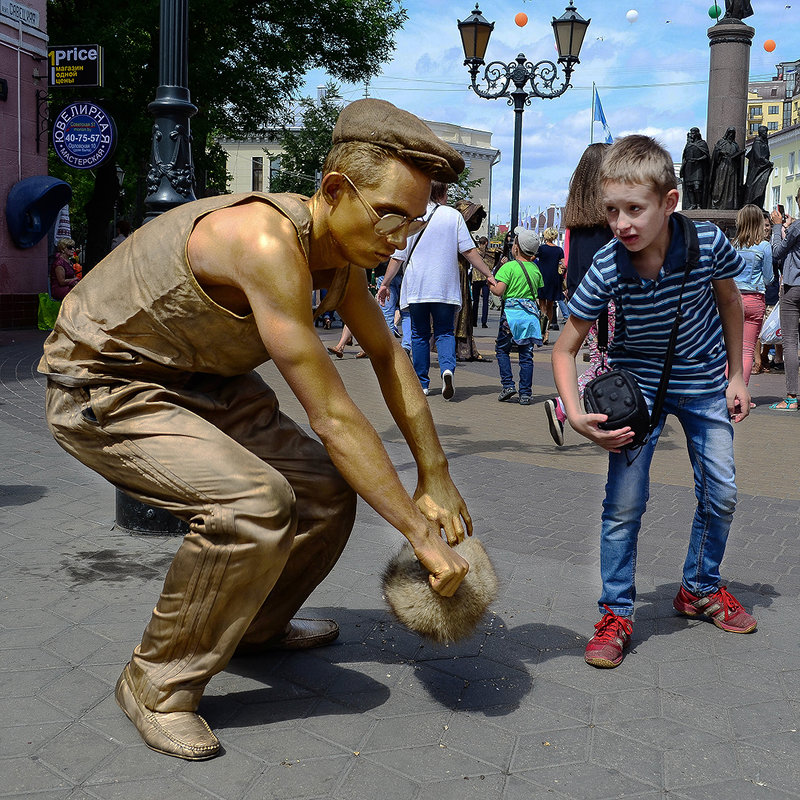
769	45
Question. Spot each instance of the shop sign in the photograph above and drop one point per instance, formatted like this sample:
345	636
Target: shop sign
84	135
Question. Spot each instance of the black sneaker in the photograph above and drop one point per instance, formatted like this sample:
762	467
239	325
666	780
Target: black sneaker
525	399
506	394
554	423
448	389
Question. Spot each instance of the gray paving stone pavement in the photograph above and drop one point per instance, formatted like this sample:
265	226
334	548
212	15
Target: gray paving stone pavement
513	712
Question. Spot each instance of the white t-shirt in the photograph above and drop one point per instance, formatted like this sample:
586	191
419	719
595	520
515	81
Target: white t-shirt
432	275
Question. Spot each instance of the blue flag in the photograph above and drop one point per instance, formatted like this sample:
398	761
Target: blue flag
600	117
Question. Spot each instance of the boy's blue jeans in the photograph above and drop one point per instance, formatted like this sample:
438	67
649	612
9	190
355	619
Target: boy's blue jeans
502	348
709	438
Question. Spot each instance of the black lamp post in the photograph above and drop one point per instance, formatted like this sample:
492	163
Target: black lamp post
569	29
170	182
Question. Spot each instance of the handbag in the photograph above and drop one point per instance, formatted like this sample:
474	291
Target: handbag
771	331
615	392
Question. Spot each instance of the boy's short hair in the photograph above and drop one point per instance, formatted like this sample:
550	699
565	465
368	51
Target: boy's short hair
641	160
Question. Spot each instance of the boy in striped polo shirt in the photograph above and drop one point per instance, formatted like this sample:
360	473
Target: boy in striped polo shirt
642	271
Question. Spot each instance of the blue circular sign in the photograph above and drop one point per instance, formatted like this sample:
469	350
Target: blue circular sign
84	135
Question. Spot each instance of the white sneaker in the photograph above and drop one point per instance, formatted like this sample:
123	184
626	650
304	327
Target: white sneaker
426	391
448	390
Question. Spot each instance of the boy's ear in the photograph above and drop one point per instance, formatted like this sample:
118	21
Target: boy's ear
671	200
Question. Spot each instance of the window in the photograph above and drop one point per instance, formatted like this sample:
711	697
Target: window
774	110
274	169
754	126
257	170
772	126
790	206
755	111
776	195
791	164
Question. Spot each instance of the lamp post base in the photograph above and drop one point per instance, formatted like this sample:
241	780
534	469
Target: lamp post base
137	517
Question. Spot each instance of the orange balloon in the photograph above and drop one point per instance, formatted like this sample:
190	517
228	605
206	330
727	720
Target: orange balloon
769	45
521	19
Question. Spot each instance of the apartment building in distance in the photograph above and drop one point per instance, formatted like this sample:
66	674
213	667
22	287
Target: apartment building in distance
776	102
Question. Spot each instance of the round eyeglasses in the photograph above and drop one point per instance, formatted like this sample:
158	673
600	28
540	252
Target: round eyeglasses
388	224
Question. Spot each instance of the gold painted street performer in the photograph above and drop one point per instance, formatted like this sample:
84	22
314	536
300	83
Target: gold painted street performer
151	384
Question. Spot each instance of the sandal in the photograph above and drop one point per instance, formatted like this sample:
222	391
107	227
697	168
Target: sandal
788	404
337	353
757	370
361	354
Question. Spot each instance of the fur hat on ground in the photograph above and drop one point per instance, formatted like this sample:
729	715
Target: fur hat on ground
418	607
380	123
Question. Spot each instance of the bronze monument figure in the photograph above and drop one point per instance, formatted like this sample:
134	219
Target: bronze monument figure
726	173
694	169
738	9
759	169
152	383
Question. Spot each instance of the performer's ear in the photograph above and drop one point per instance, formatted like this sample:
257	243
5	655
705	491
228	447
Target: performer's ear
332	187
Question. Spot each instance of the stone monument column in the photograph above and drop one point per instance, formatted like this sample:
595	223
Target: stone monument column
729	74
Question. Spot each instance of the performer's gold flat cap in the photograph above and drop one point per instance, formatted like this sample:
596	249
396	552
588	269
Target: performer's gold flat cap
380	123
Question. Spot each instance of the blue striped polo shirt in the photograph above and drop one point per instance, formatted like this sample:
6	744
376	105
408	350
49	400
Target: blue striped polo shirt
646	310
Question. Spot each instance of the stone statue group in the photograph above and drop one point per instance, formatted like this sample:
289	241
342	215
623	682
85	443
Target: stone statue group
714	179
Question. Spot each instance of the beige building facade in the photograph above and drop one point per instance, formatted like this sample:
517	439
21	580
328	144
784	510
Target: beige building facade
250	162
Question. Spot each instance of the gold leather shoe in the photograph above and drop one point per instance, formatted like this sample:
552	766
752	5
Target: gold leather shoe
182	734
300	634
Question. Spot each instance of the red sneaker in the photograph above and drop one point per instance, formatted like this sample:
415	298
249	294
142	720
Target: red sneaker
721	608
613	634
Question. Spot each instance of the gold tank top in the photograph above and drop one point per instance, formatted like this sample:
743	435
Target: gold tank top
141	315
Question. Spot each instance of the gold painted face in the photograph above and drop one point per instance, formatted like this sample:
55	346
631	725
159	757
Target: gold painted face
357	219
387	224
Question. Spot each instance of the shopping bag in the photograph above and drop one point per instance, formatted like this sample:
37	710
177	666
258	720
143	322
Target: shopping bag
48	311
771	329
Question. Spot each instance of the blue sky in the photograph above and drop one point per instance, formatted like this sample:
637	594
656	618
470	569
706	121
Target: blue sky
652	77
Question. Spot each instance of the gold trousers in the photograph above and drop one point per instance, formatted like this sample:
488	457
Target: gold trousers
269	514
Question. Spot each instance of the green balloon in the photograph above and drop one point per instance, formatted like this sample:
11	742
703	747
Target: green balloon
714	12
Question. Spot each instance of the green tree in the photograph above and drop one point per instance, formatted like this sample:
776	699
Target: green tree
305	148
246	61
462	189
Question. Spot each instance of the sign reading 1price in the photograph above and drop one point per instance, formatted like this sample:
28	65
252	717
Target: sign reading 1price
84	135
76	65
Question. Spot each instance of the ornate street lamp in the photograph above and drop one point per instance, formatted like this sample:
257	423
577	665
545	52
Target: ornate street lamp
569	30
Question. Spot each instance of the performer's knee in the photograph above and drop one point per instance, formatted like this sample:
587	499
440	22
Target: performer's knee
265	516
